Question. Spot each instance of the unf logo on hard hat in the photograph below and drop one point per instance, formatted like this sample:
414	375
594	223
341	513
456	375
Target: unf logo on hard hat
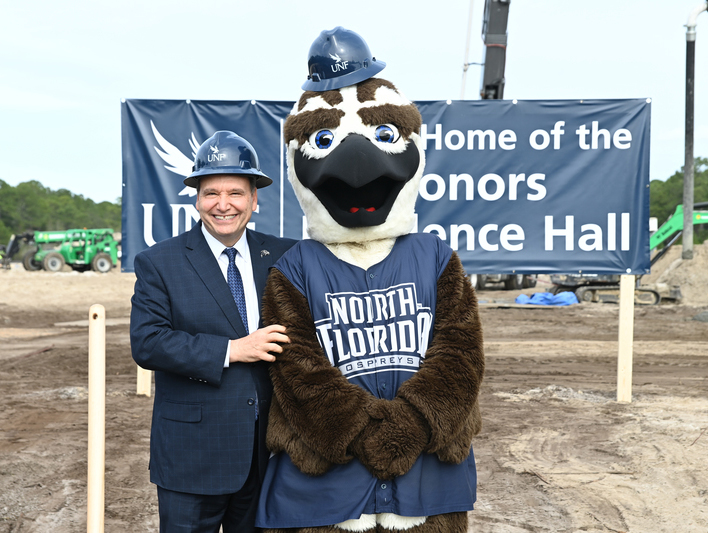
338	63
339	58
215	155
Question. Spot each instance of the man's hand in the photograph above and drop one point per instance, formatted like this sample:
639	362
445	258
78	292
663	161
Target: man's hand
258	345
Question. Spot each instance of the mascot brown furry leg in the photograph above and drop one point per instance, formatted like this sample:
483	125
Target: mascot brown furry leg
375	398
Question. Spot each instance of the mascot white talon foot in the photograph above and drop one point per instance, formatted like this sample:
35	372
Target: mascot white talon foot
375	398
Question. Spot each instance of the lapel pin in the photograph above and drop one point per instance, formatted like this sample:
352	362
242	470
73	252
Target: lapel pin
264	253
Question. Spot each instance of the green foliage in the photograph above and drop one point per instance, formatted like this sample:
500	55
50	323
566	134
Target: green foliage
31	206
664	196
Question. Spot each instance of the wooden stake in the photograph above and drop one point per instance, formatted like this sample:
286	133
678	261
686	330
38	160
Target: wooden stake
626	338
144	382
96	419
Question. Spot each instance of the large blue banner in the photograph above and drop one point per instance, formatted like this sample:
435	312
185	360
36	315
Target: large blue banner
514	187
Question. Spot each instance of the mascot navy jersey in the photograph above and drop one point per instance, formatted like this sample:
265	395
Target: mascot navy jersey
374	325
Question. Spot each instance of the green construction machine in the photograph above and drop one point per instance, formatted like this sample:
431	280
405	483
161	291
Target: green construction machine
590	287
82	249
673	227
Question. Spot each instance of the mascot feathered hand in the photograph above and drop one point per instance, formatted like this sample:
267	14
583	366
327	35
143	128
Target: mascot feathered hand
375	398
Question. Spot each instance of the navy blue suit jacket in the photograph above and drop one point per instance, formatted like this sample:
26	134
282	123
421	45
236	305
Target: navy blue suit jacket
182	318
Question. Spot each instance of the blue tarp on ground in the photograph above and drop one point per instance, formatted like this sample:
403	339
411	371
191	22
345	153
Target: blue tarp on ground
546	298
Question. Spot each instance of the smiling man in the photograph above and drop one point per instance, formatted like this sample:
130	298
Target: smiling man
195	321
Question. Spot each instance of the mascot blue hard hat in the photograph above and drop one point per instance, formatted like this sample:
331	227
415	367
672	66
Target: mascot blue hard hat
227	153
339	58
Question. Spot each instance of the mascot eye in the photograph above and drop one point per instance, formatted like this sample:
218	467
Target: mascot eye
322	139
386	133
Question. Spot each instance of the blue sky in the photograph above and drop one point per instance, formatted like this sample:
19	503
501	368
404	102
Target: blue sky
65	66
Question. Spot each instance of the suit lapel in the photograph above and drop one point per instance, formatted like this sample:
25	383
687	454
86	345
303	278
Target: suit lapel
202	259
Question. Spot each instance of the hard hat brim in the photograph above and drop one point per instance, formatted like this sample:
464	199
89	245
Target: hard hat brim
345	80
261	179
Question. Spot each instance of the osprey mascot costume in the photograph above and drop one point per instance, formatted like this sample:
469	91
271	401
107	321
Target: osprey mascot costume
375	397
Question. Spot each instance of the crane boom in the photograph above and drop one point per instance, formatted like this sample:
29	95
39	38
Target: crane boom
496	14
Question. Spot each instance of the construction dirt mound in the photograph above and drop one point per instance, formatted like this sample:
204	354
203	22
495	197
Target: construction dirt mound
690	275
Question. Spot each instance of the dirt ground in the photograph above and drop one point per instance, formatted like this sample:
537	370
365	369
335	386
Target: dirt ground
557	452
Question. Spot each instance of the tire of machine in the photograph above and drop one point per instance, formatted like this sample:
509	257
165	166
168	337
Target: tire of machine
53	262
102	263
585	294
28	261
529	282
481	282
514	282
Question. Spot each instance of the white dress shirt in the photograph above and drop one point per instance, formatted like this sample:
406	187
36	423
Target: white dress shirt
243	263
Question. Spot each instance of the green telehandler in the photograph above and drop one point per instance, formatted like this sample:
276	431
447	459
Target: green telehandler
82	249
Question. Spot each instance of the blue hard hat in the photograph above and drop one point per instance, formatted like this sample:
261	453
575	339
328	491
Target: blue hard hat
227	153
339	58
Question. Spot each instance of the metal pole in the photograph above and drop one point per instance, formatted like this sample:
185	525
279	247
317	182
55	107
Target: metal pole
688	167
467	53
688	156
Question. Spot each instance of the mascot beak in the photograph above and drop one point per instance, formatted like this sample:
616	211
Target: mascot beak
357	182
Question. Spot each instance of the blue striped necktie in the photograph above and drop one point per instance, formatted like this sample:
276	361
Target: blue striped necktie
233	277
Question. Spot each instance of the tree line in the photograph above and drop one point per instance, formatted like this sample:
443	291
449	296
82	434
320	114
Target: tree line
31	206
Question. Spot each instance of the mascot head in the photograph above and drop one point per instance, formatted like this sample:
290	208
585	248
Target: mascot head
355	158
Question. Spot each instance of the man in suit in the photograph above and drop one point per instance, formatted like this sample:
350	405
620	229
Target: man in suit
195	322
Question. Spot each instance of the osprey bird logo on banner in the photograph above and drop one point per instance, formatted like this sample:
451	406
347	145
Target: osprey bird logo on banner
176	161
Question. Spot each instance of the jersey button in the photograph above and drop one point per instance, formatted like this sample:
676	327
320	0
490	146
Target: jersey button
251	401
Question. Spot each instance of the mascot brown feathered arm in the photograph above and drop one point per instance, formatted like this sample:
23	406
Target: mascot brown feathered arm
315	412
446	388
436	410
